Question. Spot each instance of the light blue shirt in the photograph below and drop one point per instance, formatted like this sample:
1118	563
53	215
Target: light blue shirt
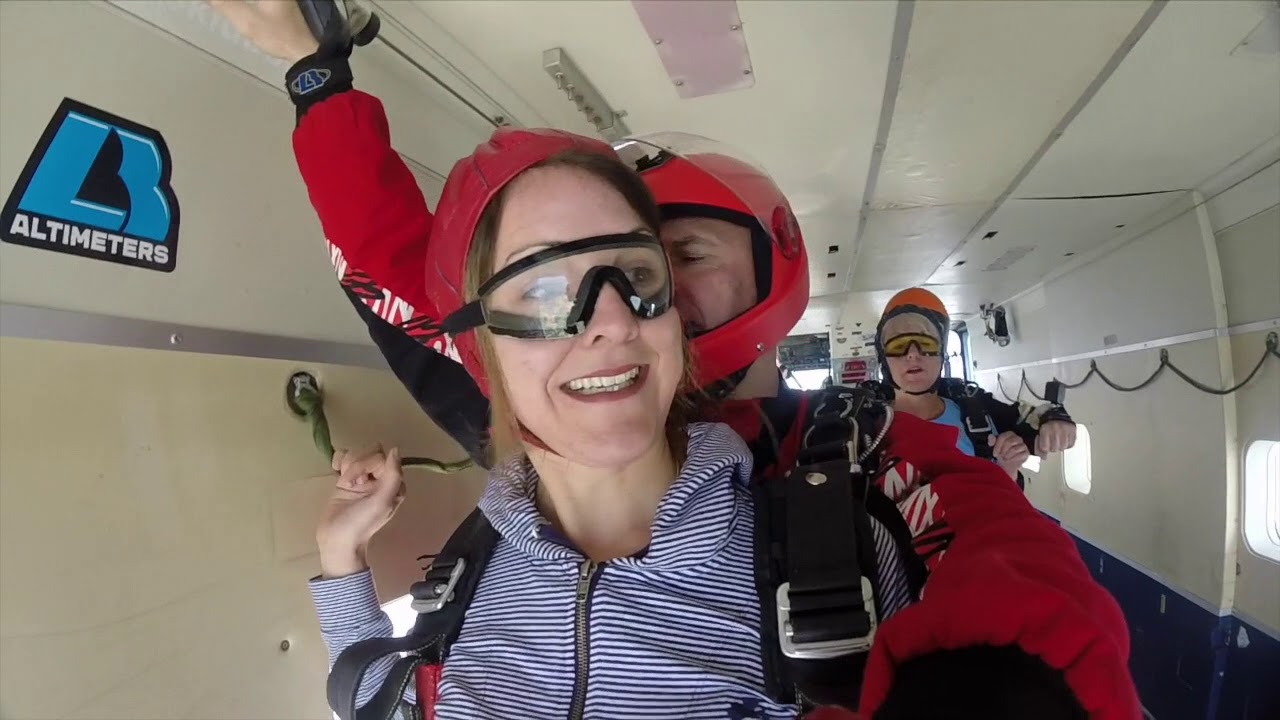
951	416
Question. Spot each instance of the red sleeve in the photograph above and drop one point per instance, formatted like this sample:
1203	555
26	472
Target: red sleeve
372	211
1009	576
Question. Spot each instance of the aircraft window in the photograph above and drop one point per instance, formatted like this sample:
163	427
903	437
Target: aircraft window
808	379
1077	463
1262	498
954	366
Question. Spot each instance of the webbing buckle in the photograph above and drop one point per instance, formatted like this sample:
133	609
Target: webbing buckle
824	649
440	592
986	425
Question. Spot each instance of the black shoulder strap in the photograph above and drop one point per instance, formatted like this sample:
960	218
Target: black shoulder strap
441	600
816	562
973	415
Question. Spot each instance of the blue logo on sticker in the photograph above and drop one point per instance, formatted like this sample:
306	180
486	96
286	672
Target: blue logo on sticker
96	185
310	81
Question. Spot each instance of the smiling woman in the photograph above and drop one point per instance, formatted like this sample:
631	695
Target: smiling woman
606	398
547	270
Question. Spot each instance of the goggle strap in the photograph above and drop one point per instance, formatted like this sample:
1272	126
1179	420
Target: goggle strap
467	317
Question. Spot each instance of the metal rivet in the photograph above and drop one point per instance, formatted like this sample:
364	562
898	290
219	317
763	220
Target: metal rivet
657	41
439	588
734	27
759	347
679	83
815	478
284	646
175	339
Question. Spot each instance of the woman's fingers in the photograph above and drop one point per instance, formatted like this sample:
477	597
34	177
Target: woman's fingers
388	474
359	472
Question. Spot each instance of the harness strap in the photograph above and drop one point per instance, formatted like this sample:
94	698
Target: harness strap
441	600
977	423
816	562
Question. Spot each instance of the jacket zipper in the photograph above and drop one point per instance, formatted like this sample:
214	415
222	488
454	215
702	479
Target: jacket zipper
587	573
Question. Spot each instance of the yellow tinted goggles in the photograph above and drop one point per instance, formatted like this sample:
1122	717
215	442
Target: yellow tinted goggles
926	345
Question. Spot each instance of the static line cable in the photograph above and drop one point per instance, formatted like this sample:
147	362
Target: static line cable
1272	350
497	121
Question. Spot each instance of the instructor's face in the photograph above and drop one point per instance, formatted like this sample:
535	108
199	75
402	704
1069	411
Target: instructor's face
713	270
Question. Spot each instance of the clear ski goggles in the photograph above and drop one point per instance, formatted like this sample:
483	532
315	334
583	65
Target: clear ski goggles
552	293
926	345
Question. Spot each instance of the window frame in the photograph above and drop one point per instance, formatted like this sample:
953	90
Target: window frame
1084	444
1260	498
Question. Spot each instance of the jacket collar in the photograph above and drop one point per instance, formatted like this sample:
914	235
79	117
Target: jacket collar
693	522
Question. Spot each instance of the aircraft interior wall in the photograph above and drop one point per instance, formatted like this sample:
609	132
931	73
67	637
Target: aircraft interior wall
158	508
1159	526
248	235
158	505
157	526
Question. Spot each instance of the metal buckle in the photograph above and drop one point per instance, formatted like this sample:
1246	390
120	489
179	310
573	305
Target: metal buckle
825	649
986	425
846	397
442	591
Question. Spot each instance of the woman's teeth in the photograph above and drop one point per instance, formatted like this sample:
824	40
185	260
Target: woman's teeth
612	383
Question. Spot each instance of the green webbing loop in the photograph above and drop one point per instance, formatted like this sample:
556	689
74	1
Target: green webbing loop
309	402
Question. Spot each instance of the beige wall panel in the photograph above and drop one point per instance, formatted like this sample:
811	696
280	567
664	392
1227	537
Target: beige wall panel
156	517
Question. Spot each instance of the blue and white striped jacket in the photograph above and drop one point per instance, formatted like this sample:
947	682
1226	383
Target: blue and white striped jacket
673	632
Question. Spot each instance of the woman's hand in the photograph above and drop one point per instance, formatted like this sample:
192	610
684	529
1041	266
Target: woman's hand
369	489
1010	451
1055	436
275	26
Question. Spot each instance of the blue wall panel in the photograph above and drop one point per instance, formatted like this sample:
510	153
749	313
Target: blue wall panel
1188	662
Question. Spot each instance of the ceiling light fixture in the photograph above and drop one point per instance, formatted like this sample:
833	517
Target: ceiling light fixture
701	44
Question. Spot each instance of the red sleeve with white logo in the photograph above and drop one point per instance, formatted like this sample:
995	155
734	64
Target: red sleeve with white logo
372	211
1006	575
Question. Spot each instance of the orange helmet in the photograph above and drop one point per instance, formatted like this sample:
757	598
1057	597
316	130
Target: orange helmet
694	176
919	305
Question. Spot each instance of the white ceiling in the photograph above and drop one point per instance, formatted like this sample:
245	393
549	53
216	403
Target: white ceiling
984	89
983	86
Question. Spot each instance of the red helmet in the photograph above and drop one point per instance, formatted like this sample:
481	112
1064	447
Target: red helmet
691	175
472	184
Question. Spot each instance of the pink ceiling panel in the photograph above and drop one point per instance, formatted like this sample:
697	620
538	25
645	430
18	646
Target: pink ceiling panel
701	44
